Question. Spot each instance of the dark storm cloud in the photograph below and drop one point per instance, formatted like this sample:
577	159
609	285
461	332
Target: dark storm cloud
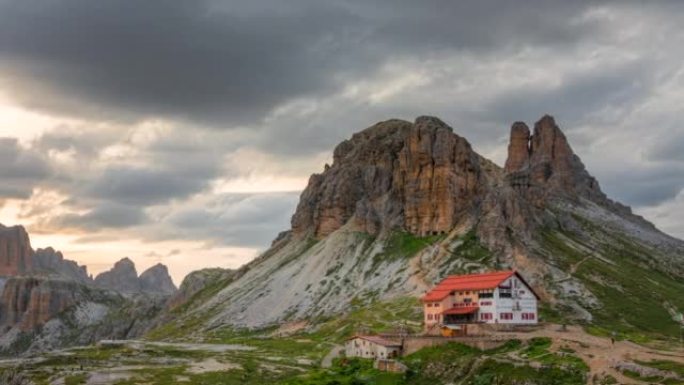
20	169
671	148
106	216
645	187
576	97
138	186
229	63
247	220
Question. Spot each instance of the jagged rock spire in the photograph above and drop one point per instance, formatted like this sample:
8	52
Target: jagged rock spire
544	164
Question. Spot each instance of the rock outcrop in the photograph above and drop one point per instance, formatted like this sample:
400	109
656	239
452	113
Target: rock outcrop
15	251
50	301
29	302
418	176
123	278
359	230
544	164
157	280
197	281
50	262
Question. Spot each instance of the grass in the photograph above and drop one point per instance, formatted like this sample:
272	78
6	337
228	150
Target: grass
75	379
401	244
631	291
504	373
471	249
354	371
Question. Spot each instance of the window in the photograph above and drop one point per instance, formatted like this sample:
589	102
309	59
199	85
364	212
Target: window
429	317
505	294
436	304
485	316
528	316
487	295
467	293
506	316
485	303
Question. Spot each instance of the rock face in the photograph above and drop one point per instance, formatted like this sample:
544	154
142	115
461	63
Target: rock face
52	263
122	278
418	176
53	302
156	279
197	281
42	313
359	230
30	302
15	251
518	148
544	164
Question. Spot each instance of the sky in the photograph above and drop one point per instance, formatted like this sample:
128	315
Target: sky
182	132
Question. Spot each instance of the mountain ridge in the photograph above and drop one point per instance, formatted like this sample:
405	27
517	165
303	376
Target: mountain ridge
405	203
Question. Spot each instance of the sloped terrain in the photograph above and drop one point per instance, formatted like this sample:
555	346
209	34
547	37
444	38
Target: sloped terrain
405	204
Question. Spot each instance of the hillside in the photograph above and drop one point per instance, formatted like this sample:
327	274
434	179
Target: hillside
404	204
49	302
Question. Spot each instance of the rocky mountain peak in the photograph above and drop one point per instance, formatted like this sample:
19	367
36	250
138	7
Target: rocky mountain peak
122	277
544	164
395	174
518	148
156	279
51	262
15	251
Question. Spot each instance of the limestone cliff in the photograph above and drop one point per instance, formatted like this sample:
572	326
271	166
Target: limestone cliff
50	262
156	279
51	301
405	203
15	251
418	176
123	277
29	302
42	313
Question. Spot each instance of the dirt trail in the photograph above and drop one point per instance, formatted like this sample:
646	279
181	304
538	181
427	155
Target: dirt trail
334	353
598	352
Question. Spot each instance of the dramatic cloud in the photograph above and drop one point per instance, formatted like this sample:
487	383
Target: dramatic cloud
201	120
251	220
21	170
230	63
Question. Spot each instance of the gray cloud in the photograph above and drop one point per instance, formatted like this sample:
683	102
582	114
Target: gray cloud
143	186
20	169
229	63
247	220
289	81
106	216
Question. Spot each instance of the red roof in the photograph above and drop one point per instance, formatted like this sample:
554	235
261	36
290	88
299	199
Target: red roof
377	340
451	283
461	310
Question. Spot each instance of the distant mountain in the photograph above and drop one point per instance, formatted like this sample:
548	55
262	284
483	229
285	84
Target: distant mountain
47	301
406	203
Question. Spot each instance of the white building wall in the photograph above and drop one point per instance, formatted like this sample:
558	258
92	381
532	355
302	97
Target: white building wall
522	305
522	301
359	347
